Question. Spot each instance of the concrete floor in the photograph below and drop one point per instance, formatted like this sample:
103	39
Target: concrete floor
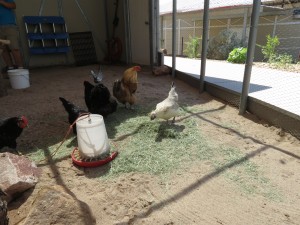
275	87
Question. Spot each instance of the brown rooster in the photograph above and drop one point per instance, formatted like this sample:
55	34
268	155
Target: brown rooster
124	89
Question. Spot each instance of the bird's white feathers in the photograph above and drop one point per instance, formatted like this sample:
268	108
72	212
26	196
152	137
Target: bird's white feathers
168	108
97	76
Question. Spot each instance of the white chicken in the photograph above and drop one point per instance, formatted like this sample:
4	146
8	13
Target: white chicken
168	108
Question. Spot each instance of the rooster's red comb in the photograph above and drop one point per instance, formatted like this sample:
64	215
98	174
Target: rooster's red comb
137	68
24	120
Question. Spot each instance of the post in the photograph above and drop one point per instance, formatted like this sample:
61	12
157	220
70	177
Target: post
106	19
204	44
127	32
275	26
3	91
250	55
181	52
178	34
174	38
244	34
165	34
194	29
151	32
41	7
157	31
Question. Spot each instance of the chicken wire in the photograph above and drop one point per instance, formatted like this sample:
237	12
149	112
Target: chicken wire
285	27
276	84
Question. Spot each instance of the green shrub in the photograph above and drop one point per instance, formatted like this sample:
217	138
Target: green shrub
269	50
238	55
283	59
192	47
272	57
221	45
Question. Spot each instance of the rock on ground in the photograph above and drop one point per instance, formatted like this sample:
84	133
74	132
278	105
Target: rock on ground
53	205
17	174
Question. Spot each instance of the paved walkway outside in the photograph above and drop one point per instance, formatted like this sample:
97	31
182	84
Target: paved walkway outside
276	87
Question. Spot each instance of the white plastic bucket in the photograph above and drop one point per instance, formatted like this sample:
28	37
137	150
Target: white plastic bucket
19	78
91	136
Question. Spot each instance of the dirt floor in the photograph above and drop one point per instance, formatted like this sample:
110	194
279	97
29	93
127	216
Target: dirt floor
199	194
288	67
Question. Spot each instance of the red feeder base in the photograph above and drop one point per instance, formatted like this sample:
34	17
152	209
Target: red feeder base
91	162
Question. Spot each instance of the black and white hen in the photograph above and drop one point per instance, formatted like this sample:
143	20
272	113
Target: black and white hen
73	112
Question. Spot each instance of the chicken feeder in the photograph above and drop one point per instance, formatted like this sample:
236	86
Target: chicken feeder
91	136
93	147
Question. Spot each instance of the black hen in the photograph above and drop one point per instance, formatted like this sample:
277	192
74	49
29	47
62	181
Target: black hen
73	112
4	220
10	129
98	99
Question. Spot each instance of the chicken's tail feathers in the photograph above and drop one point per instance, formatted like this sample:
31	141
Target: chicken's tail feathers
67	105
97	77
63	100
